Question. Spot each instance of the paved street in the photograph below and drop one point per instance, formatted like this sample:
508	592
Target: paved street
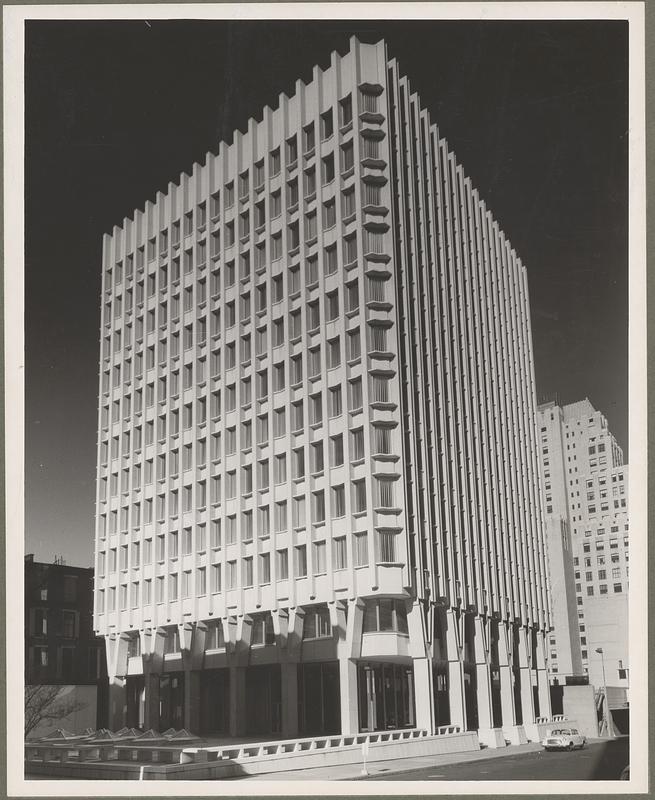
597	761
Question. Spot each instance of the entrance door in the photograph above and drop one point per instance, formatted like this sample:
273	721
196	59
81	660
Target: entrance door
441	698
386	697
136	698
470	697
215	701
171	701
263	700
320	708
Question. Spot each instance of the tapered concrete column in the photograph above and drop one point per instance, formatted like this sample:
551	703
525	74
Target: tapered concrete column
191	700
117	704
424	717
237	701
483	676
506	679
348	692
456	694
527	696
454	645
151	710
543	684
349	648
289	675
424	694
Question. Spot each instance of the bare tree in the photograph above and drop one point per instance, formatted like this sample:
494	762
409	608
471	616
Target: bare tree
45	704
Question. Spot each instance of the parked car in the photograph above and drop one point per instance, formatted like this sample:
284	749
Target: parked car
564	739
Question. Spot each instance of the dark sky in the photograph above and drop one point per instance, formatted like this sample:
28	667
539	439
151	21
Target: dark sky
535	111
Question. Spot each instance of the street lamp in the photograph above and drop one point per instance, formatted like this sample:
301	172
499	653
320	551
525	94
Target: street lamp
606	712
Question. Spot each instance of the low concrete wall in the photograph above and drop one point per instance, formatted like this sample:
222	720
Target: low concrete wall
259	765
262	765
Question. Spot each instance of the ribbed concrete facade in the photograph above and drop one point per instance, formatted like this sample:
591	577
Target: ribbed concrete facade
318	504
585	491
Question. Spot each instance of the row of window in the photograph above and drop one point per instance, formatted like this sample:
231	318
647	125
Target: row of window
165	506
335	302
292	417
268	472
193	583
378	342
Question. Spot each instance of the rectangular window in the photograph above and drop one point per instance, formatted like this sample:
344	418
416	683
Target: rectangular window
387	547
319	558
340	553
360	542
338	501
301	561
334	399
282	565
359	496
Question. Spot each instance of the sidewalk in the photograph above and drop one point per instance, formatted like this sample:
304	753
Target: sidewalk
353	772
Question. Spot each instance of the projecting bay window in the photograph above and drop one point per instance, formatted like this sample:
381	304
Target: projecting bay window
387	553
385	615
378	339
382	440
384	493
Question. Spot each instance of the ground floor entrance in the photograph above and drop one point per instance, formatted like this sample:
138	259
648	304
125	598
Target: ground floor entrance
386	696
214	711
319	704
263	700
136	701
171	701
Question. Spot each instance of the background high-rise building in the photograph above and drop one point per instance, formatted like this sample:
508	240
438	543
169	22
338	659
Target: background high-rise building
318	504
585	488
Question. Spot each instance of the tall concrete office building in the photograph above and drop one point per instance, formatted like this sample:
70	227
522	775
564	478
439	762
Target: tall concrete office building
585	493
318	503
